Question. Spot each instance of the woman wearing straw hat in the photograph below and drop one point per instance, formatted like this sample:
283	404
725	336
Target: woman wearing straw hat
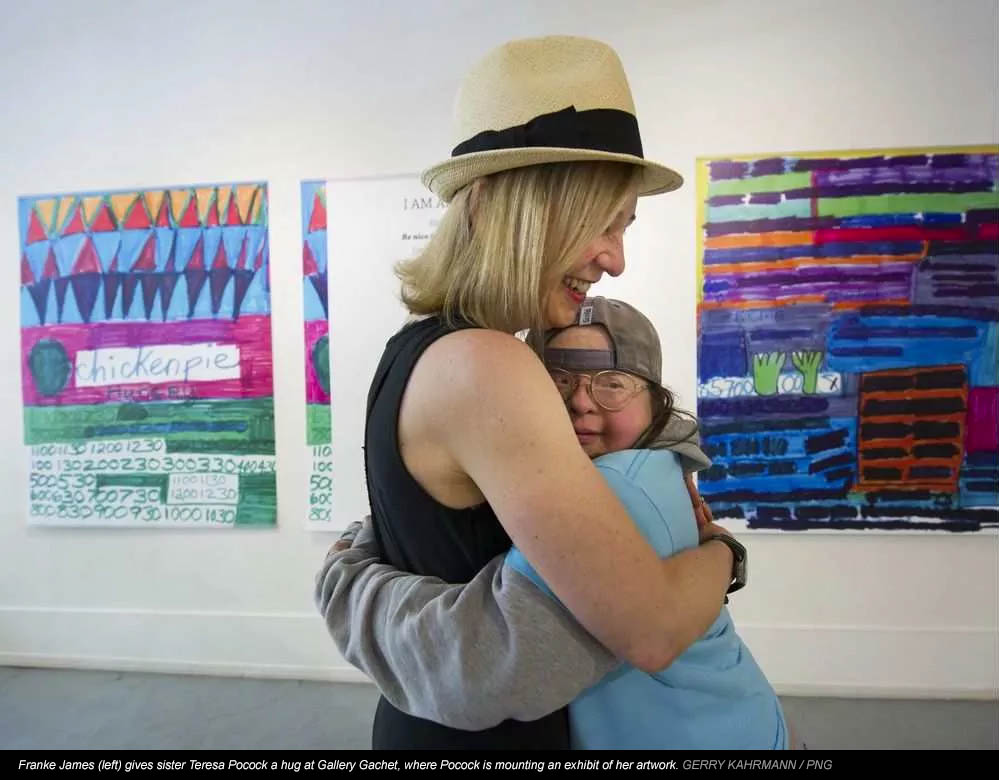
468	447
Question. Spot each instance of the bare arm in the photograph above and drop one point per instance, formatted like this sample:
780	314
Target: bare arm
495	412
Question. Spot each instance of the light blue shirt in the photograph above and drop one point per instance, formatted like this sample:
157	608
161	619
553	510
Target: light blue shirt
714	695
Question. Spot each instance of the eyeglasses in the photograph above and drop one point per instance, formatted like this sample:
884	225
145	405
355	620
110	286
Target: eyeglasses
610	390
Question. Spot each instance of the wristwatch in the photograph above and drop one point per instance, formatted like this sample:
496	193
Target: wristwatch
738	560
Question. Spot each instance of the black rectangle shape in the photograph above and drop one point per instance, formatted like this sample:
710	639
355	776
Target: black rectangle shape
812	512
828	463
980	487
873	382
713	474
930	472
869	430
930	429
935	451
782	467
835	476
882	453
826	441
882	475
744	469
938	380
922	406
773	513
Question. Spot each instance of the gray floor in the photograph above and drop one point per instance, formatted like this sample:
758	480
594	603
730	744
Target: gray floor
56	709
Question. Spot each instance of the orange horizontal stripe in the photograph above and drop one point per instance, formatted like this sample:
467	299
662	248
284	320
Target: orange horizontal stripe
861	304
762	304
905	463
912	395
749	240
949	486
913	371
909	419
794	263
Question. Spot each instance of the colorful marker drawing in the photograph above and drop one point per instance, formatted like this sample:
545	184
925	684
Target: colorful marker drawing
317	349
848	338
146	357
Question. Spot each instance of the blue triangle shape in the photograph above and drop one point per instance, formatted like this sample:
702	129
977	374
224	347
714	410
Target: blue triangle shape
29	309
313	306
254	238
106	244
213	236
132	242
203	306
36	254
23	215
164	243
317	243
178	303
70	311
232	237
184	243
256	300
67	249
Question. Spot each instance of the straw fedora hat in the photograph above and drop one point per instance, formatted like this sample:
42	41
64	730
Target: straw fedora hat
544	100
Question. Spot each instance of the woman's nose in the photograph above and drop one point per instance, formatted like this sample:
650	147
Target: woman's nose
611	256
580	400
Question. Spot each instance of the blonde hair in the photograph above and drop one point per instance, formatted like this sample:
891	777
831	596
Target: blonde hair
507	239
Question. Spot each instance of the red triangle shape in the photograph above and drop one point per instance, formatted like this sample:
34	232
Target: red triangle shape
27	277
309	266
147	257
138	218
221	260
104	221
318	221
259	262
197	259
241	263
232	218
87	261
51	270
75	224
163	220
190	218
35	230
212	217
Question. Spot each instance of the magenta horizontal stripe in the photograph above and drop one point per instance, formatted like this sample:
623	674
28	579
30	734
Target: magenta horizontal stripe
314	330
251	333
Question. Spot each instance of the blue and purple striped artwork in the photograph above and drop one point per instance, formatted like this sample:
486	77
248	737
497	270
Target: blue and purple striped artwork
848	339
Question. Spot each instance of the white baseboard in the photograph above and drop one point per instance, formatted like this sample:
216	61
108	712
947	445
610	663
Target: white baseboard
336	674
801	660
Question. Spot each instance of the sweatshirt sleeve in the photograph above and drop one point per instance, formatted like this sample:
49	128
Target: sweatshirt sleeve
467	656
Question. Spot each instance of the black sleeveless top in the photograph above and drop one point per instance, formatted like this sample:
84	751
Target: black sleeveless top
420	535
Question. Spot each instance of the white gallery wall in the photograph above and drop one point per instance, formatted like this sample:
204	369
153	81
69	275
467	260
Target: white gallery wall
105	95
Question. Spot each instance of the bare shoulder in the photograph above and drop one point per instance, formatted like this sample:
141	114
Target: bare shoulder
476	359
467	387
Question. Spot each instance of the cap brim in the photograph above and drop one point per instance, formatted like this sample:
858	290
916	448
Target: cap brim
446	178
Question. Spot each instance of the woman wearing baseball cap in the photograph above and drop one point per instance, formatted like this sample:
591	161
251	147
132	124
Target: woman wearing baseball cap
712	696
468	447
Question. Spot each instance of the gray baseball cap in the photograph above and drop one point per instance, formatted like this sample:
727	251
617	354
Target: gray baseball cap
633	338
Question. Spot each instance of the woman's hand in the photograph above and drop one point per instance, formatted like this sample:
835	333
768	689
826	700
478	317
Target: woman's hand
346	538
701	509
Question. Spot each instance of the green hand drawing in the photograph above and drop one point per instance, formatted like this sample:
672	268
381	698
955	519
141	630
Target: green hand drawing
808	364
766	370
